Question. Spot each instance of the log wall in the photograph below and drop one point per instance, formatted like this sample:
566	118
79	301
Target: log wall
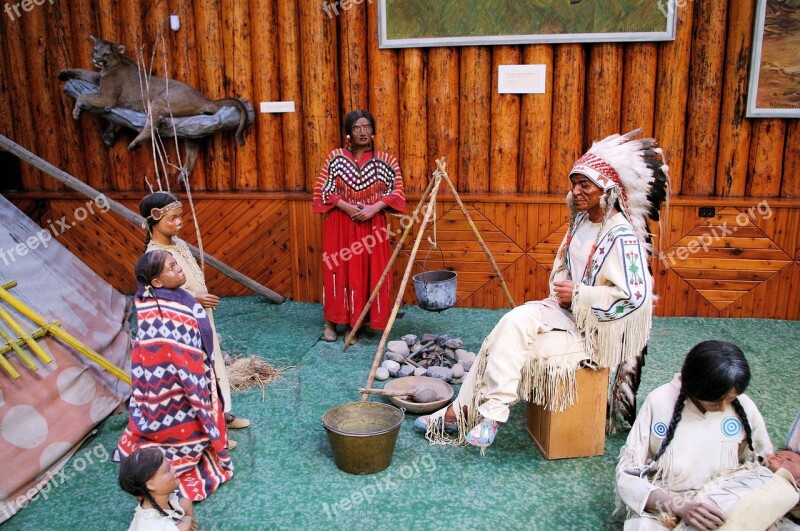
431	102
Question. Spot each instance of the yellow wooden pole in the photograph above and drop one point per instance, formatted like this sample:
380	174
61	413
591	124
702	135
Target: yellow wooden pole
431	205
26	337
388	268
22	356
64	336
8	368
38	334
472	226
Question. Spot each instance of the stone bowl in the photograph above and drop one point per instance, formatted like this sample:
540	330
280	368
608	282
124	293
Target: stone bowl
444	392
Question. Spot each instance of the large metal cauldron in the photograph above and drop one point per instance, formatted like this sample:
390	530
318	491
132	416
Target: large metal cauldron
362	435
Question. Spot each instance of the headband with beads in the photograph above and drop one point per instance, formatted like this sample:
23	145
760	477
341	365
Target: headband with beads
157	213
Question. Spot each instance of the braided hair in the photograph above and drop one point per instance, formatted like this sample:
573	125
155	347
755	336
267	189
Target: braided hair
710	371
151	201
136	471
148	267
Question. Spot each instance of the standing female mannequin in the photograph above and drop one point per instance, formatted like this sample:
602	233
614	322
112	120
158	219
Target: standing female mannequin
355	185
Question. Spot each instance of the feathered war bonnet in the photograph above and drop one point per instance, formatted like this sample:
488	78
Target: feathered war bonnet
633	176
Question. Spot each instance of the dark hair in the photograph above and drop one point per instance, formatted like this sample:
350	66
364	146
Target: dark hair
151	201
710	371
150	265
353	116
136	471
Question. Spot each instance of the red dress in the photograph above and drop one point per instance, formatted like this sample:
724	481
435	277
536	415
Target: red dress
355	253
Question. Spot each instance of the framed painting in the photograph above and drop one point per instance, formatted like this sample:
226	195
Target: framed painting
774	90
422	23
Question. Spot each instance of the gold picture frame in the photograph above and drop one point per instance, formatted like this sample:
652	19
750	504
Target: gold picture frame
774	89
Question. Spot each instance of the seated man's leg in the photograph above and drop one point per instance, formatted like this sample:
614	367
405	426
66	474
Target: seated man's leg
492	384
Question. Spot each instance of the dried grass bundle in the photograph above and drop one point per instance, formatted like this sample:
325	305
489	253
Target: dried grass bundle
251	371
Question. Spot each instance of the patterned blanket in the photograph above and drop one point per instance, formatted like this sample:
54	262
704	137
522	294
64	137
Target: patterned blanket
174	403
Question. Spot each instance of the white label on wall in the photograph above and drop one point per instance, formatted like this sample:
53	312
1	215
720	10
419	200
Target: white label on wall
521	79
277	106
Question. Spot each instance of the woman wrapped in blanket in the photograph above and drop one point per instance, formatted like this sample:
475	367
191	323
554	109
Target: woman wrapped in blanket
692	458
175	403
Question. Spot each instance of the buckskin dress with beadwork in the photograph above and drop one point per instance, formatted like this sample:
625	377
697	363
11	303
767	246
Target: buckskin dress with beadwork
355	253
535	349
175	404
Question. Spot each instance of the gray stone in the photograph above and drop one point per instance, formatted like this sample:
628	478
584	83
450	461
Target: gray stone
399	347
391	366
428	337
410	339
464	356
394	356
405	370
443	339
443	373
450	353
458	370
381	374
420	371
454	343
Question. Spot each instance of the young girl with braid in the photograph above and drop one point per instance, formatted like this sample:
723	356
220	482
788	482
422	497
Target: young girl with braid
163	221
148	476
688	435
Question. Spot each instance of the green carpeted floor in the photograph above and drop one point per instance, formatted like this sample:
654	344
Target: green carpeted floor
285	475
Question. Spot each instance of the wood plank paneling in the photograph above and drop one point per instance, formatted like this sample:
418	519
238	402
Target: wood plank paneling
734	134
604	76
504	136
567	123
702	124
413	119
277	241
384	94
474	113
290	90
443	90
267	87
535	126
672	89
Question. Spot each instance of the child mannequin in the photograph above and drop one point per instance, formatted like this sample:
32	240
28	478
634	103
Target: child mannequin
756	497
148	476
163	221
175	404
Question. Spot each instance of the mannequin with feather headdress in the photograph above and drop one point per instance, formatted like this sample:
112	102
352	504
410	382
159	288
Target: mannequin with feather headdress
600	307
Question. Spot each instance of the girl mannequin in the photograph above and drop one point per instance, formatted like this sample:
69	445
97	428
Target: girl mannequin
163	221
149	477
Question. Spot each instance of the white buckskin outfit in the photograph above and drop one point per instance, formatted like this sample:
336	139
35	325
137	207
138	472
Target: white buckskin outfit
535	349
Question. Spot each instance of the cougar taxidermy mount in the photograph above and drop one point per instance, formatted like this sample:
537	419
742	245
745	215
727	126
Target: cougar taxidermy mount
122	85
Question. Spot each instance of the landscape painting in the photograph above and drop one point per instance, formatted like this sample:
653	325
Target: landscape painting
419	23
775	68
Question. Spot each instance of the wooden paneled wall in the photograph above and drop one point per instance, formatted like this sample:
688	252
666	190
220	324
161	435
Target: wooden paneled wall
742	261
429	102
508	155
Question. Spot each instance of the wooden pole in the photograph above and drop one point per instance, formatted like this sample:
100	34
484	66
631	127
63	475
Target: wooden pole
54	329
378	353
472	226
75	184
388	268
26	337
